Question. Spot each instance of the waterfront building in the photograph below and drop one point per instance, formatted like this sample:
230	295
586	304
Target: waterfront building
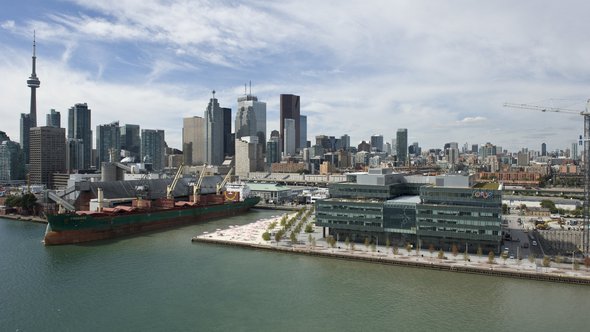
402	146
214	135
153	148
381	205
79	128
48	154
12	165
290	137
290	109
131	141
247	155
53	119
193	140
273	152
108	143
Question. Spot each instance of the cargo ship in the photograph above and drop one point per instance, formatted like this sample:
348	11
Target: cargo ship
143	215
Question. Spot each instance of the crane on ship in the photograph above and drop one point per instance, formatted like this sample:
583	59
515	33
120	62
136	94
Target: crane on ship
224	182
197	186
586	116
170	188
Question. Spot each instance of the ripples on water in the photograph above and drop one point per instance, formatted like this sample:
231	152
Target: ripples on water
162	281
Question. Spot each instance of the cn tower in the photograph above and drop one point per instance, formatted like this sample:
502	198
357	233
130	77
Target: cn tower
33	83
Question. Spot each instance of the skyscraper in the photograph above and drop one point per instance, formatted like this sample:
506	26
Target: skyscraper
48	154
108	143
33	83
193	140
543	149
377	143
25	128
251	118
131	140
53	119
153	148
575	151
302	131
214	133
229	147
290	137
345	142
79	128
402	146
289	110
12	165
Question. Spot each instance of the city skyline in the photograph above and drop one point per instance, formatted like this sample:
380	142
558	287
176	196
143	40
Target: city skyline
440	70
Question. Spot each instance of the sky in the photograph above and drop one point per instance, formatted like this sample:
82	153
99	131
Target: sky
441	69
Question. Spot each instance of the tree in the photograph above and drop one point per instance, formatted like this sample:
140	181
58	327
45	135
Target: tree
441	254
491	257
395	250
309	238
504	256
352	246
576	265
466	255
313	242
454	250
347	242
278	235
308	228
548	204
504	208
266	236
409	248
431	249
479	251
546	261
367	242
387	244
373	247
293	237
532	258
13	201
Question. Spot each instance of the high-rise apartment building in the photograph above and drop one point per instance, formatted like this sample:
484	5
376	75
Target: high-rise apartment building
575	151
131	140
345	142
12	165
53	119
543	149
79	128
247	155
402	146
48	154
273	151
193	140
214	133
153	148
108	143
290	109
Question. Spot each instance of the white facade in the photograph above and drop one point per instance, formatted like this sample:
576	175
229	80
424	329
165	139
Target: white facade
290	143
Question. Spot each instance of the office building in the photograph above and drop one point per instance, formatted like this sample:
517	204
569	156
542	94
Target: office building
153	148
193	140
543	149
290	137
74	149
574	151
246	155
214	133
377	143
302	131
402	146
345	142
79	128
53	119
228	137
25	128
48	154
131	141
108	143
273	151
290	109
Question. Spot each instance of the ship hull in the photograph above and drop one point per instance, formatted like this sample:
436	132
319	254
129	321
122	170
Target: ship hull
71	229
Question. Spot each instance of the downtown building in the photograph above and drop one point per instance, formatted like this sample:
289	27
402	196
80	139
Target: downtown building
79	137
214	133
131	141
441	211
12	165
108	143
251	118
48	154
153	148
193	140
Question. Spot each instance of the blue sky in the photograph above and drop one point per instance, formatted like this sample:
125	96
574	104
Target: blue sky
442	69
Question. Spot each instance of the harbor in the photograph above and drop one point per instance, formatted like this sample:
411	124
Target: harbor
313	244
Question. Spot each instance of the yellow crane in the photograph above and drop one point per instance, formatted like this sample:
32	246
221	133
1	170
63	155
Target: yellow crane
225	179
197	186
586	158
170	188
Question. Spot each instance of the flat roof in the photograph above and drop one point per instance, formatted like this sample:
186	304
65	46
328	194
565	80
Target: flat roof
489	185
267	187
414	199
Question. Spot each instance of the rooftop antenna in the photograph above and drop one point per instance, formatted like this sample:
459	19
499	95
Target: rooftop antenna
213	94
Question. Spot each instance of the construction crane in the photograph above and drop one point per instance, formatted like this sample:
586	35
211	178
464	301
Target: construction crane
225	179
170	188
197	186
586	158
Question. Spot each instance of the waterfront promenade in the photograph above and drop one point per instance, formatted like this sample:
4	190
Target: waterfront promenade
312	243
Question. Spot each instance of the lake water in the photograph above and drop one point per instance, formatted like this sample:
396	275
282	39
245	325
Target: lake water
163	282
